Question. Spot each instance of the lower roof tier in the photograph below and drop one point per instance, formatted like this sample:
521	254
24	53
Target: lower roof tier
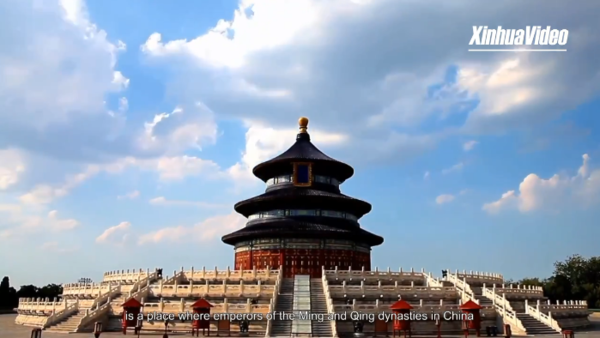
291	228
299	198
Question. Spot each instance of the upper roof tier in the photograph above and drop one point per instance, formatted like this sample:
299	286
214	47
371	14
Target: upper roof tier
303	150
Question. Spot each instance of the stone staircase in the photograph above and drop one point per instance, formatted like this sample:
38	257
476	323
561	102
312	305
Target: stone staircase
483	301
319	305
116	303
534	326
68	324
285	300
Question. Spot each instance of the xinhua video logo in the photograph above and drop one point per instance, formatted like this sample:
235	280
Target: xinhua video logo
532	37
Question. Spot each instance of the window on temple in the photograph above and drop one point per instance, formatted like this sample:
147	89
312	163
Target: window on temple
303	212
302	174
315	178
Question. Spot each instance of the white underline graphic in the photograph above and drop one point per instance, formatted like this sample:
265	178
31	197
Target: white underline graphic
517	50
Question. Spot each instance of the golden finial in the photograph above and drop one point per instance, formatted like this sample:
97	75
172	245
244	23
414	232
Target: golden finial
303	123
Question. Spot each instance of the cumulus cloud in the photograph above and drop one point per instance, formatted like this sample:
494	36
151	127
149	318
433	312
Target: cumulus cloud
20	220
268	72
555	193
453	169
11	167
58	248
130	195
445	198
115	234
165	202
207	230
469	145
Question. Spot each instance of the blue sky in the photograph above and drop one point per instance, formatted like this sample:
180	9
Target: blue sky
129	129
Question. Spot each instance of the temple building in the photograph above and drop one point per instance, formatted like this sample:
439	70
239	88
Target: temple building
302	251
303	222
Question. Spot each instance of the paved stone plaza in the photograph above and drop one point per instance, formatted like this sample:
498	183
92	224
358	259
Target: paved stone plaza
8	329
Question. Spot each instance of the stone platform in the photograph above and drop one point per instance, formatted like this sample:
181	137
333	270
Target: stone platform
8	329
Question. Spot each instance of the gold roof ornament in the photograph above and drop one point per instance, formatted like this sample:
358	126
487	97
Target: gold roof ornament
303	123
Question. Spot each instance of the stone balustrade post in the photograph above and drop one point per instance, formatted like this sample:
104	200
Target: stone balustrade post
248	305
442	302
379	285
161	305
412	271
377	304
362	287
254	272
224	286
420	302
412	284
259	286
242	286
353	304
537	305
160	286
225	305
548	302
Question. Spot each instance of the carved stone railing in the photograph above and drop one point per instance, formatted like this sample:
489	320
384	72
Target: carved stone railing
272	304
81	289
505	310
478	276
400	275
384	307
522	291
466	293
106	297
225	307
224	290
142	290
542	317
377	290
330	307
99	307
432	281
60	315
93	316
216	274
126	275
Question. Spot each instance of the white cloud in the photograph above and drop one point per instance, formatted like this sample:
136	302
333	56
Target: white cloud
426	175
273	66
58	248
455	168
11	167
207	230
469	145
183	128
179	167
555	193
115	234
445	198
165	202
130	195
262	143
21	220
